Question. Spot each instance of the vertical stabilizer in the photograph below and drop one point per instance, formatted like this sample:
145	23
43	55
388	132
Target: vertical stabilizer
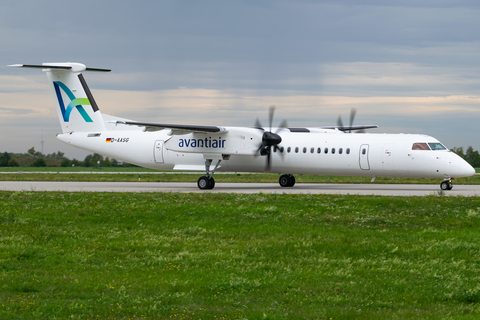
76	107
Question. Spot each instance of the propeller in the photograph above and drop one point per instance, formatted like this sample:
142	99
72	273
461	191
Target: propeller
340	125
269	139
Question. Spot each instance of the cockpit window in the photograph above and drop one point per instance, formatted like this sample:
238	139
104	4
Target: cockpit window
436	146
420	146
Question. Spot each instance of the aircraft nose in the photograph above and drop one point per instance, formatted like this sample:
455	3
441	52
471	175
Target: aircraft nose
466	170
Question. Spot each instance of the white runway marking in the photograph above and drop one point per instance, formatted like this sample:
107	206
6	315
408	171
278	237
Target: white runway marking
302	188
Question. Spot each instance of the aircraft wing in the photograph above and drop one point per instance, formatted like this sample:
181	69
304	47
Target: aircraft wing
177	129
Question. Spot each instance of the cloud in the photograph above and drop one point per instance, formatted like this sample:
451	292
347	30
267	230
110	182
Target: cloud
16	111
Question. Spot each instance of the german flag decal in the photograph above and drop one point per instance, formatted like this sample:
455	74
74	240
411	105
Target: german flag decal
109	140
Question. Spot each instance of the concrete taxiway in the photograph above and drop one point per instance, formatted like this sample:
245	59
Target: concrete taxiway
330	188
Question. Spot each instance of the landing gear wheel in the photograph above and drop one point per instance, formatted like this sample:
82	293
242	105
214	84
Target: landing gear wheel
205	183
446	185
286	180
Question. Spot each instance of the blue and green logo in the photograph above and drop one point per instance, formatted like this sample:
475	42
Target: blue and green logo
77	103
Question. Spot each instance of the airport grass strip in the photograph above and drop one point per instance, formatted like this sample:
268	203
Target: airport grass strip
245	256
222	178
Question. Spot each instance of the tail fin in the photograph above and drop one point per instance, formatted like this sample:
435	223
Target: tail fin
76	108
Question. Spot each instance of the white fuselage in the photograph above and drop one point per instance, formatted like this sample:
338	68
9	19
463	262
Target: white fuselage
319	152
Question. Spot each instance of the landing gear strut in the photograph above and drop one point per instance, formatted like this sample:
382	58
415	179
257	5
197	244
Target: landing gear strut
446	185
207	182
286	180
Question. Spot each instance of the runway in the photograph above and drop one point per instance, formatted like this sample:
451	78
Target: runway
305	188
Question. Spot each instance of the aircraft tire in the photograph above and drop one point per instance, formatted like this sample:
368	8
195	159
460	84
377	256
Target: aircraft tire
292	181
446	185
204	183
286	180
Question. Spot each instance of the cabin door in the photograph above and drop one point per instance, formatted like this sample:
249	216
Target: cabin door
363	157
158	151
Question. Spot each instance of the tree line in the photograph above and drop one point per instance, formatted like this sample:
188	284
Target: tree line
470	155
56	159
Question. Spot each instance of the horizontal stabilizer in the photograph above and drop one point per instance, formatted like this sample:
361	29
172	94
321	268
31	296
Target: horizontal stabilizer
76	67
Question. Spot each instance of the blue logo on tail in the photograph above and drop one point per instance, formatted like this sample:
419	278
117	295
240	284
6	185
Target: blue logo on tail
74	102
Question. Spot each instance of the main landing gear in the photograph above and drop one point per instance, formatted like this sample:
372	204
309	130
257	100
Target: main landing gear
207	182
446	185
286	180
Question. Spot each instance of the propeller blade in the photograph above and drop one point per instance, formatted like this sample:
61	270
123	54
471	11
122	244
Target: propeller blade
269	164
271	111
340	123
280	150
352	116
282	126
257	124
353	112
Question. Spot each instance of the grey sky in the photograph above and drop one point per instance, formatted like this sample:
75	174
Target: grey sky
412	68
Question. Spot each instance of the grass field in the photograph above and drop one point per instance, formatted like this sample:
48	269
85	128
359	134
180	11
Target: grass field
243	177
76	169
125	174
223	256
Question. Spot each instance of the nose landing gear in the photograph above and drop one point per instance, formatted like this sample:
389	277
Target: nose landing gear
446	185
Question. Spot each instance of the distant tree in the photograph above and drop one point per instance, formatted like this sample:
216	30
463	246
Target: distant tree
92	160
38	154
40	162
458	151
107	162
76	163
87	162
31	151
65	163
4	158
60	155
12	163
472	157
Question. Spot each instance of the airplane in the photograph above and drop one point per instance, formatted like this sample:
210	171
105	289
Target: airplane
285	150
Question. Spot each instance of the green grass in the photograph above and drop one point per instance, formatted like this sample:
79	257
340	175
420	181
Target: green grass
76	169
214	256
244	177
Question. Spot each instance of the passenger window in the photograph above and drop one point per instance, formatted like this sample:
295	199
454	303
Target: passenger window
304	149
420	146
296	149
281	149
364	151
319	150
348	150
333	150
340	151
326	150
312	150
289	149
